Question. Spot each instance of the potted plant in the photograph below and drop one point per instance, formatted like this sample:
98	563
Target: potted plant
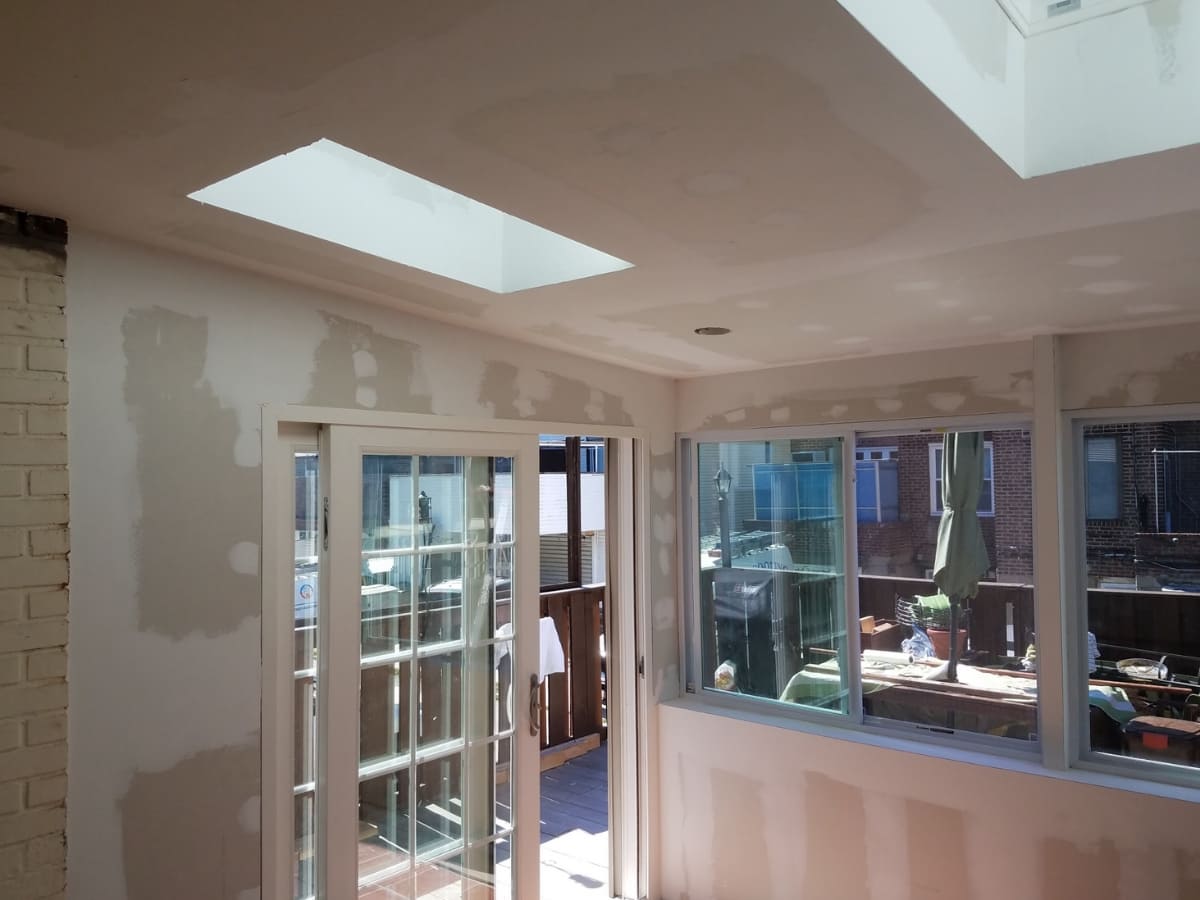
932	613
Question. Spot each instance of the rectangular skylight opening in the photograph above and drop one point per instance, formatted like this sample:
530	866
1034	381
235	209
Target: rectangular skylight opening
339	195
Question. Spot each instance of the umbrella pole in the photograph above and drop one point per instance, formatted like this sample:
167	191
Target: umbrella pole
952	668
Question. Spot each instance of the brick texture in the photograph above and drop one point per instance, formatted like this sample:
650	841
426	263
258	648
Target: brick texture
34	544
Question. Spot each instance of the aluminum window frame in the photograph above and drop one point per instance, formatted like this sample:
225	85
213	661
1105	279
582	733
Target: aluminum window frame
853	724
1075	616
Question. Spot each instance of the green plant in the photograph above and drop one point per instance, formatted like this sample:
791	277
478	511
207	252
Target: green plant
932	612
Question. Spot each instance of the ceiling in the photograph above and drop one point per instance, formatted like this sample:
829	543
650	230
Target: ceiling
766	166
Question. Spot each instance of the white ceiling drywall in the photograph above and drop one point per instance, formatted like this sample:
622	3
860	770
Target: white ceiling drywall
765	166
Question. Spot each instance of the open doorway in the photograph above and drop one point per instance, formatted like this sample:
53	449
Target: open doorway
575	844
449	776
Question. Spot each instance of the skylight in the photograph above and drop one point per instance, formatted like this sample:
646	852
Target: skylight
339	195
1052	85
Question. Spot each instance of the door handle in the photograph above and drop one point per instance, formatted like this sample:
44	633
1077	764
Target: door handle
535	706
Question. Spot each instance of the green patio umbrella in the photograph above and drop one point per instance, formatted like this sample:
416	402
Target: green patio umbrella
961	554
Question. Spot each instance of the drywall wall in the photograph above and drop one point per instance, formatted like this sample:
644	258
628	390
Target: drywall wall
754	810
1132	367
171	360
750	810
996	378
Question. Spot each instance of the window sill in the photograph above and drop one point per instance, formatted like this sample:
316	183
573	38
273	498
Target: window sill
1093	772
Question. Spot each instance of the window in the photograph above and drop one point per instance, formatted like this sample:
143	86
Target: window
810	456
771	572
771	581
573	546
987	498
1141	580
1103	475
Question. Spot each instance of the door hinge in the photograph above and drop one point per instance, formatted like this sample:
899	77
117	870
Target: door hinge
325	524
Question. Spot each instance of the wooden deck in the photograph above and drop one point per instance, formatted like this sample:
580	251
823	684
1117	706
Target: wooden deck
575	829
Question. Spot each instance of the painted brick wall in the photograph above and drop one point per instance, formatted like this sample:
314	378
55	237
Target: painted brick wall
33	556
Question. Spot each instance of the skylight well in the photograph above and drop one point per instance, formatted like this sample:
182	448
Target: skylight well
339	195
1052	85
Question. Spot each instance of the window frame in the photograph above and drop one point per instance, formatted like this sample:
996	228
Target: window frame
1062	708
1075	615
853	724
935	478
574	476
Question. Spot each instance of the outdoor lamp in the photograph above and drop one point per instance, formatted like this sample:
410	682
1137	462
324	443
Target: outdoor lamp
723	480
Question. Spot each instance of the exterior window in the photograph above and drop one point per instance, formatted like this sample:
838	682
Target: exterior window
1103	477
770	584
771	571
1142	577
996	689
987	498
573	545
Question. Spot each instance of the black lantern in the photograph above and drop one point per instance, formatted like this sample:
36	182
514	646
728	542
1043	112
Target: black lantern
723	481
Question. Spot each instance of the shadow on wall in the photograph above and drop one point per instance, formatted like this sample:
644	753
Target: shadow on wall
537	394
355	366
184	840
199	509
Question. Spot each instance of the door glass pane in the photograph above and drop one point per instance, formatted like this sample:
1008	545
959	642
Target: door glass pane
388	522
305	876
440	709
772	572
440	500
436	641
440	606
386	603
305	751
383	699
306	522
383	827
489	811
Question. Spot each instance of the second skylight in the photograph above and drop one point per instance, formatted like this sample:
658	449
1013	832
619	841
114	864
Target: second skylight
336	194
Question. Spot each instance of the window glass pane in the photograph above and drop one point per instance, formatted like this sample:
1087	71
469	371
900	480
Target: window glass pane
1143	589
904	615
1103	481
558	476
772	570
593	539
987	497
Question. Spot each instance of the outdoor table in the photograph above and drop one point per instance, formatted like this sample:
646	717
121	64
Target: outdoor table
983	700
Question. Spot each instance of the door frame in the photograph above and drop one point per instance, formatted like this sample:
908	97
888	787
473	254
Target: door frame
287	428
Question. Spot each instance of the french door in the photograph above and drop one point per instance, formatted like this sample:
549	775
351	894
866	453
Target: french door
416	770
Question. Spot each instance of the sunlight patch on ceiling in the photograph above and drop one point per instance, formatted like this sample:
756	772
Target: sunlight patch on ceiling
339	195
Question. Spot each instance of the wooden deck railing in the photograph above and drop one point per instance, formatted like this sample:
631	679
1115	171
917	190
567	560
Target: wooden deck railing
572	701
1126	623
